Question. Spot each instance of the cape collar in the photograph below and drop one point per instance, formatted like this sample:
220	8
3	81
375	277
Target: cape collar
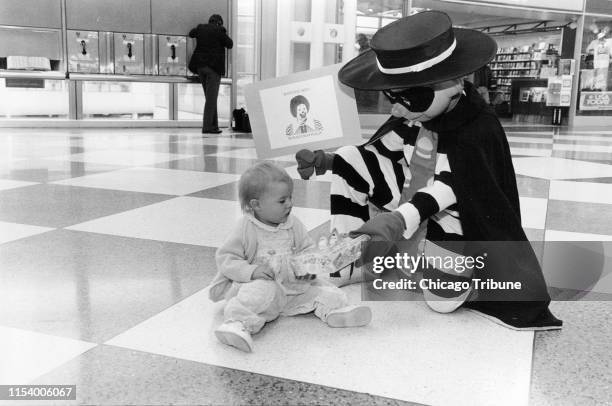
468	107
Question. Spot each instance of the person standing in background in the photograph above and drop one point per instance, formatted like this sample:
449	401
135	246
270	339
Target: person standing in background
208	61
483	81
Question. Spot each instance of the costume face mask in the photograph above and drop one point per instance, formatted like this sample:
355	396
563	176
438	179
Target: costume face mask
415	99
424	103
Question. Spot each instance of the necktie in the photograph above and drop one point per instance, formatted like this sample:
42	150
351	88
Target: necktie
422	169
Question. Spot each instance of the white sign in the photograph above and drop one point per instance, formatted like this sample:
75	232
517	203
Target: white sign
301	112
596	101
310	109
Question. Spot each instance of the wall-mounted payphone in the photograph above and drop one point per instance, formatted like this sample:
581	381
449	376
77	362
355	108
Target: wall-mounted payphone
172	55
83	49
129	53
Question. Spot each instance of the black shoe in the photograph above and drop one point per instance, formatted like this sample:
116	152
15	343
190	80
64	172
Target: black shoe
217	131
545	320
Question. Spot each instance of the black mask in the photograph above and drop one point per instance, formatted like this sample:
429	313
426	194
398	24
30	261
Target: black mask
415	99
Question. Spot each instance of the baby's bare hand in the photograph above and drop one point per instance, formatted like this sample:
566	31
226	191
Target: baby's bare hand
263	271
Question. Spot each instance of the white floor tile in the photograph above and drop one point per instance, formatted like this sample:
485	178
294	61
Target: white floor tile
6	184
27	355
153	180
250	153
560	168
121	157
15	231
533	212
408	352
607	149
546	152
186	220
565	137
581	192
592	132
557	235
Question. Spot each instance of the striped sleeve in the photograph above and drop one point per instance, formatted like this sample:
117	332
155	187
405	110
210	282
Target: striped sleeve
439	195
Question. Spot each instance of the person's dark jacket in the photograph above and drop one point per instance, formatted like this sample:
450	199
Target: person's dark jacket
212	40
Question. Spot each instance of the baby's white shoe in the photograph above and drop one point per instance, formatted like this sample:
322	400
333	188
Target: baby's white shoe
234	333
350	316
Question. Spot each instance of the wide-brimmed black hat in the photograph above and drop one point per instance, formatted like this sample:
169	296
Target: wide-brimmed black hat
421	49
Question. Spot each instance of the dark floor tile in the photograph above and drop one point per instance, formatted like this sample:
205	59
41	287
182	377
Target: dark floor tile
592	180
529	145
229	191
559	141
61	206
572	366
109	375
92	286
579	217
532	187
215	164
184	148
41	170
314	195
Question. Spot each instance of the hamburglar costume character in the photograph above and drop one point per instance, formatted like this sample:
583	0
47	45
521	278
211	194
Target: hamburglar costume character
439	170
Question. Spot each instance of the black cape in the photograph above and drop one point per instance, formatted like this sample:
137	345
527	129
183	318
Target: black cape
484	183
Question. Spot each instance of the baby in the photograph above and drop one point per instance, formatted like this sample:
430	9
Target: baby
254	271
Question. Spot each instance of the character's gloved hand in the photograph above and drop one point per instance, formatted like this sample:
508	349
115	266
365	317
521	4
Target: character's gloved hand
385	229
309	162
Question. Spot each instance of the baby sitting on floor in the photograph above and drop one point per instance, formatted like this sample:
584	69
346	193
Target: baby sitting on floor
255	271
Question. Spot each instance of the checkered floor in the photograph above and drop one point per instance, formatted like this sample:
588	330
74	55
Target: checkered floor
107	241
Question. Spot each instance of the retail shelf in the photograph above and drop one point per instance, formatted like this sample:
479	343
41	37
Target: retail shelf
512	69
516	61
514	53
516	77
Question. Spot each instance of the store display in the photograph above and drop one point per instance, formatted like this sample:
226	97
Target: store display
596	101
522	62
553	91
600	79
595	80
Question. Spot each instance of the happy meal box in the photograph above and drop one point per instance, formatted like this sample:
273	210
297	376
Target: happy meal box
331	254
